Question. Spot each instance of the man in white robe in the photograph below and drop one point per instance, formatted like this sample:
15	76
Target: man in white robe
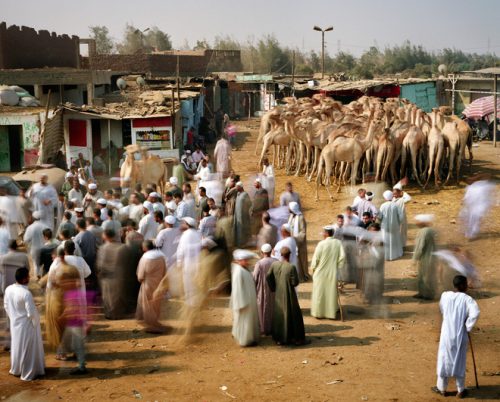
222	154
188	255
135	211
148	227
26	353
44	197
460	313
244	300
168	240
478	199
391	216
286	241
33	238
268	180
9	212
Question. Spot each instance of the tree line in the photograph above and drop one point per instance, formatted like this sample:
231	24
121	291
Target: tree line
267	55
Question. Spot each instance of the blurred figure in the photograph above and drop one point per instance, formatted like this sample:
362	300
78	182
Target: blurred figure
26	354
328	258
265	297
244	300
150	272
188	259
268	180
460	313
259	206
33	238
242	220
289	195
44	198
423	256
268	233
118	282
288	323
371	265
478	200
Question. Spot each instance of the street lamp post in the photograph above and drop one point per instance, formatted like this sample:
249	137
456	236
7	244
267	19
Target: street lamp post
317	28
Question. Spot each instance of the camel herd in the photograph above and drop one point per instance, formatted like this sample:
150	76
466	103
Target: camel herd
385	139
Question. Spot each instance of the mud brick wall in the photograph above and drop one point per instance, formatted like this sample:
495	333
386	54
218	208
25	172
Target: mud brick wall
166	64
24	47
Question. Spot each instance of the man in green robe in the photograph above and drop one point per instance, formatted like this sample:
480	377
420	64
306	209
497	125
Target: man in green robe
425	246
288	323
328	257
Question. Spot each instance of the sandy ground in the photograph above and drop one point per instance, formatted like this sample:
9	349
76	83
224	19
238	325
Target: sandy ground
359	359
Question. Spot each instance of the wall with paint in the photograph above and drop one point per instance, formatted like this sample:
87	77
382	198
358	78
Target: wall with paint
30	134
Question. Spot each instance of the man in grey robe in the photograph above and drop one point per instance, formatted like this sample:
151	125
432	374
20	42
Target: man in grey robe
260	205
268	233
242	228
423	257
86	241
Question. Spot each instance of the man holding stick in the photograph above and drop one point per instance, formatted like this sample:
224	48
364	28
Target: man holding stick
460	313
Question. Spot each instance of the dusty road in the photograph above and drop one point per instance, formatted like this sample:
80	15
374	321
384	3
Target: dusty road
359	359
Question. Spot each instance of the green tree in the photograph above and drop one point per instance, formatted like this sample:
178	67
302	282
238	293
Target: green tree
104	43
158	40
133	40
201	45
343	62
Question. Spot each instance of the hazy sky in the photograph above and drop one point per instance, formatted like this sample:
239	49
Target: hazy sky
472	26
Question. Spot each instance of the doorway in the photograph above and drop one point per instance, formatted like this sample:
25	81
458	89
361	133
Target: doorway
11	148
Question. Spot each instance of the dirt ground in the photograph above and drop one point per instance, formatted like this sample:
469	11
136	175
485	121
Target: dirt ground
380	353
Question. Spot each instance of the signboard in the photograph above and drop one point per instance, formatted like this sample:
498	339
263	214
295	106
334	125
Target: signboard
154	139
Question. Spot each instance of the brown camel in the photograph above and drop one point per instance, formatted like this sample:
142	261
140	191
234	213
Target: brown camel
349	150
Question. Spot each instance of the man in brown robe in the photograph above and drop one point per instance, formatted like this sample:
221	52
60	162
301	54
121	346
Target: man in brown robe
150	272
229	197
259	206
117	276
268	234
265	297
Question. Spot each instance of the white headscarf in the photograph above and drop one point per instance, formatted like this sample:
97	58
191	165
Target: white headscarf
388	195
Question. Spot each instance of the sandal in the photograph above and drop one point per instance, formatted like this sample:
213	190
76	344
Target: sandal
62	358
436	390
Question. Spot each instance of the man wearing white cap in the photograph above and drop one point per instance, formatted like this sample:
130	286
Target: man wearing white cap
68	184
265	298
148	227
423	257
102	205
391	217
44	197
33	238
298	226
286	241
400	199
365	204
90	199
155	198
168	240
327	260
76	194
188	254
242	221
244	300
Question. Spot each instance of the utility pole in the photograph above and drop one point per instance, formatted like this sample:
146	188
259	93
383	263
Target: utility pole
317	28
293	73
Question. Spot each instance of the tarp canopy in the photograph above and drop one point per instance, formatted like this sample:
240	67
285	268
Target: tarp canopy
481	107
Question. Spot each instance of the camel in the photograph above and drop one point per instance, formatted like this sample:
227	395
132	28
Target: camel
269	119
435	142
150	169
413	144
349	150
452	142
279	138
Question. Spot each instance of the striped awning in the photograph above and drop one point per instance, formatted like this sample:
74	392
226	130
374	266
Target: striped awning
481	107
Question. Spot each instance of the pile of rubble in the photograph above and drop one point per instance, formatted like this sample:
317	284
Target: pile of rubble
17	96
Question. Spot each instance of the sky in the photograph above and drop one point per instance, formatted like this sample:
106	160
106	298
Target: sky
468	25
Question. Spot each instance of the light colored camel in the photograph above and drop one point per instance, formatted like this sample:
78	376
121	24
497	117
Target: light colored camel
279	139
149	170
435	144
413	144
269	122
349	150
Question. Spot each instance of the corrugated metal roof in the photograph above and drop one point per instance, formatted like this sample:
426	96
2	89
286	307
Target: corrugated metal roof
489	70
361	85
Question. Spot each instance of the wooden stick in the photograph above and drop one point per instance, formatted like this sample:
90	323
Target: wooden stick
340	305
473	360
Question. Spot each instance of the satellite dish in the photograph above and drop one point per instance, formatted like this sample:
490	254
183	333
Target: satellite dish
442	69
140	81
121	83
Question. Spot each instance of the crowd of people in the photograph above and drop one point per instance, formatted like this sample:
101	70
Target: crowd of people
125	250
